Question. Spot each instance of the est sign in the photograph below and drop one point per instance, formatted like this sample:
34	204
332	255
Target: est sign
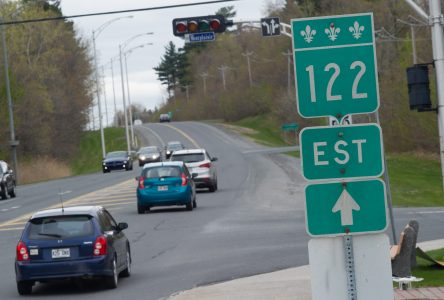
341	152
335	65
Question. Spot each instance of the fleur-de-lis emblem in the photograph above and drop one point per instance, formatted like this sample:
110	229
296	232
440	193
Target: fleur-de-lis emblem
356	30
308	34
332	32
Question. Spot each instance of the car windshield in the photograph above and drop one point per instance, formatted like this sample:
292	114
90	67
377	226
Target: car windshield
148	150
57	227
163	171
116	154
188	157
175	147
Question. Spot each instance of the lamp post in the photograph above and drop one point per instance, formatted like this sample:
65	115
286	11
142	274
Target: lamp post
95	34
121	48
13	142
126	54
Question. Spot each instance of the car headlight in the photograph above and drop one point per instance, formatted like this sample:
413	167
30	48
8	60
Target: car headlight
104	163
168	151
125	161
155	156
142	157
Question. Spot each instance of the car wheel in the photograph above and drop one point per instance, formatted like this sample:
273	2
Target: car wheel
111	281
12	192
140	209
127	271
24	287
212	188
194	203
189	206
3	192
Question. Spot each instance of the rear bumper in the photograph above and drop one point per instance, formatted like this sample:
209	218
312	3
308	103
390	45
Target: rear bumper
150	198
97	266
203	182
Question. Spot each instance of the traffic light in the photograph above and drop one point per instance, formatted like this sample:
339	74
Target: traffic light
214	23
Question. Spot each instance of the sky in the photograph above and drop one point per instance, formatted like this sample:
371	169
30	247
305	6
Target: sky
145	89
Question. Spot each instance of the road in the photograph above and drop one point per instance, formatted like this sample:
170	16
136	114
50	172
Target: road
253	224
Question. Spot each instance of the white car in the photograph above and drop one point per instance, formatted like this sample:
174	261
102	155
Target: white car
200	162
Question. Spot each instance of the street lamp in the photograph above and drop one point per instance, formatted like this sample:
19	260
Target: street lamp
121	48
95	34
126	54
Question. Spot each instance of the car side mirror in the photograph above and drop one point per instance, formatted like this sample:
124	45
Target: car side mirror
214	159
122	226
194	175
137	178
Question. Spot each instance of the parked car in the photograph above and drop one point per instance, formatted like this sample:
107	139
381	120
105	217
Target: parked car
165	184
117	160
172	146
149	154
74	242
200	162
137	122
164	118
7	181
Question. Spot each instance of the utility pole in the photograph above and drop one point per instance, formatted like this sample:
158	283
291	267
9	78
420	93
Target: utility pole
412	31
104	95
114	95
96	71
187	92
204	78
247	55
124	101
288	54
130	107
222	69
13	142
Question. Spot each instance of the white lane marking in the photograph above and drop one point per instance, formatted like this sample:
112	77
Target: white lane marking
184	134
15	207
5	209
162	143
426	212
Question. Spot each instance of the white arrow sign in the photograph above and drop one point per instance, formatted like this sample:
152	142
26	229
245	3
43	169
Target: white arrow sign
346	205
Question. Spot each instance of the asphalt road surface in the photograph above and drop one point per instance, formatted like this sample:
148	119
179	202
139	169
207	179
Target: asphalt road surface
253	224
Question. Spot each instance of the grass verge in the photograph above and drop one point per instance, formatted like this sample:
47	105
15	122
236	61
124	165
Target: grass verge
89	158
433	275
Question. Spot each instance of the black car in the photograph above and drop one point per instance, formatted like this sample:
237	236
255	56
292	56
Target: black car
117	160
7	181
72	242
164	118
149	154
173	146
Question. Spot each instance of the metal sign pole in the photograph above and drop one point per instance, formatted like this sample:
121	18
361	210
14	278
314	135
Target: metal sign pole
350	267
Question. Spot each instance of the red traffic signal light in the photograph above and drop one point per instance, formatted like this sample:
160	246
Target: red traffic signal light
213	23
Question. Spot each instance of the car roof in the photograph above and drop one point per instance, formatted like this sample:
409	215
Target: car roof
73	210
174	143
164	163
189	151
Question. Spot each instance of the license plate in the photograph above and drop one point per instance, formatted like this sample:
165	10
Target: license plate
60	253
162	188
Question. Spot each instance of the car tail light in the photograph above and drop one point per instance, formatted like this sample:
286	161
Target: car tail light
22	252
207	165
100	246
184	179
141	182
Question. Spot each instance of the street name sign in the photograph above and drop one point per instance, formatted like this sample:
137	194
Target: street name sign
328	269
335	65
201	37
340	152
342	208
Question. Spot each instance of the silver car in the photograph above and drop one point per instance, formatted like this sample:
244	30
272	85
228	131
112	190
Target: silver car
200	162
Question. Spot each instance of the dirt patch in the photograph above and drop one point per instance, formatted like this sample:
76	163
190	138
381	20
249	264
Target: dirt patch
42	169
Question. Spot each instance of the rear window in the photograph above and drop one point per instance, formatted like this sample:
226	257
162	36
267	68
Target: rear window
189	157
163	171
60	227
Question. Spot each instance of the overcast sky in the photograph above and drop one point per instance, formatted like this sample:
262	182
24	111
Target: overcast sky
145	89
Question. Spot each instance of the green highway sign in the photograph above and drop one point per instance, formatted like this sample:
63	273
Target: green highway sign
341	208
335	65
340	152
289	126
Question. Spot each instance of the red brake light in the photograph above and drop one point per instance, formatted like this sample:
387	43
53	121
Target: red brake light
22	252
207	165
141	182
184	179
100	246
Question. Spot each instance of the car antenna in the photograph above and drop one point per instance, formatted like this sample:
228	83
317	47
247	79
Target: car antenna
61	198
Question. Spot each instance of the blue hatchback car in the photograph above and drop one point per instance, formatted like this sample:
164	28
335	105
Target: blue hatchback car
165	184
74	242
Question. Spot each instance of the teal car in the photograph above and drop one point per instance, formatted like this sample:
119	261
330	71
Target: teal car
165	184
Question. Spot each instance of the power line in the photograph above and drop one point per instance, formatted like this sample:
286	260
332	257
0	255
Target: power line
113	12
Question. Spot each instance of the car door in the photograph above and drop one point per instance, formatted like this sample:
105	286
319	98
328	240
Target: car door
109	232
119	240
